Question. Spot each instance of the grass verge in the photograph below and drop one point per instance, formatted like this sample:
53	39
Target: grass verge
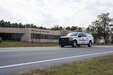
26	44
101	44
34	44
96	66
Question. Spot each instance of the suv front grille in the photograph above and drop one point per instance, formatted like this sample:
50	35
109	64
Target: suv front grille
63	39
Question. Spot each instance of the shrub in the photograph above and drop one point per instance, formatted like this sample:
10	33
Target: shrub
0	39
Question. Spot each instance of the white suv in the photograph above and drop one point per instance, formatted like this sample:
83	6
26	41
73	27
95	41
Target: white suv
75	39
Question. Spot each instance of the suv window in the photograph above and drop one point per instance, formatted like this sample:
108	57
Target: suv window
73	34
82	35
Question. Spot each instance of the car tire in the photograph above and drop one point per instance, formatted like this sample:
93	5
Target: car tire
78	45
90	44
74	44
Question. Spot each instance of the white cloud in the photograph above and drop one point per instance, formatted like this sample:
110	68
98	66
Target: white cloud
50	12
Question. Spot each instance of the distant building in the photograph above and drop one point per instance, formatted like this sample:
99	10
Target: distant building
31	34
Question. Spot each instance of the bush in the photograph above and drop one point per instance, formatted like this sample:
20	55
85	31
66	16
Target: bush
112	39
0	39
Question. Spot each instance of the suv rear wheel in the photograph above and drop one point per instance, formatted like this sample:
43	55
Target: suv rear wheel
78	45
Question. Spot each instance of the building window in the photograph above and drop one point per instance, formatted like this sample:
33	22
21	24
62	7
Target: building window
11	36
44	36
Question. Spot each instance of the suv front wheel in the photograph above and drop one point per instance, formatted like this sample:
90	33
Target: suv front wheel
62	45
90	44
74	44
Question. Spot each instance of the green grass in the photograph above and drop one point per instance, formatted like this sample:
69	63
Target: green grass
25	44
33	44
96	66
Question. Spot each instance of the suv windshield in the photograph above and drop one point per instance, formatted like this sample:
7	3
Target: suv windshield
72	34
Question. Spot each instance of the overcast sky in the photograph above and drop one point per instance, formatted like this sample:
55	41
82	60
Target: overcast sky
48	13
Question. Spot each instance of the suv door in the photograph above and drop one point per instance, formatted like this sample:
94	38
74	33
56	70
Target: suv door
82	39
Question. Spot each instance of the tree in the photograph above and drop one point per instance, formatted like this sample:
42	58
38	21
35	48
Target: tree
57	27
74	28
16	25
101	26
68	28
79	29
105	22
20	25
40	27
2	23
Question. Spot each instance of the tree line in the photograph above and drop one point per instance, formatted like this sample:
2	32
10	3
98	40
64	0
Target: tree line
55	27
15	25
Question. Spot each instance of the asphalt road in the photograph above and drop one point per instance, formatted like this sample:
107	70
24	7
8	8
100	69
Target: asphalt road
24	59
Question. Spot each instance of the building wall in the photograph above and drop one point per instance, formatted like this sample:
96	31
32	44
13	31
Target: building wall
34	34
12	30
50	35
26	36
13	33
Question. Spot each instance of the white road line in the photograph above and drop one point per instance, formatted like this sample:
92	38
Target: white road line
50	60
